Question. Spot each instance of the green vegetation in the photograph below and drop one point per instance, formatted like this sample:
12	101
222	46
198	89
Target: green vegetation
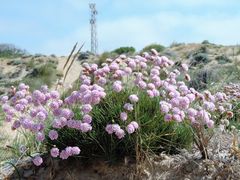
102	58
10	51
43	74
157	47
124	50
223	59
155	134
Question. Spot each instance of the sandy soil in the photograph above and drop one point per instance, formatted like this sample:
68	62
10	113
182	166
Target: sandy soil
73	73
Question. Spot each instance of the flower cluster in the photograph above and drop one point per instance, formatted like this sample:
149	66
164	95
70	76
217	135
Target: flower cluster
150	73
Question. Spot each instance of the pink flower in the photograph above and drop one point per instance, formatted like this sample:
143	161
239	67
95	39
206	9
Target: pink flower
115	127
168	117
54	105
142	84
64	154
86	108
37	160
184	67
191	97
53	134
192	119
54	152
177	118
132	64
40	137
128	107
191	112
123	116
164	108
133	98
85	127
54	95
87	118
151	86
117	86
130	128
109	129
4	99
150	93
75	150
128	70
210	124
135	124
41	116
120	133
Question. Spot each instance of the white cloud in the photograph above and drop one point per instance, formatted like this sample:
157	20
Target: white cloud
163	28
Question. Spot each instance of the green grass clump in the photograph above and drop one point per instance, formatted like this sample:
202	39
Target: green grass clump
157	47
43	74
155	135
124	50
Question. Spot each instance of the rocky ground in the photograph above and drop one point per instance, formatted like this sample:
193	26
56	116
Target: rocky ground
223	163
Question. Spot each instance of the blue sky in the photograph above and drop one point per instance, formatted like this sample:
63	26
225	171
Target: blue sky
53	26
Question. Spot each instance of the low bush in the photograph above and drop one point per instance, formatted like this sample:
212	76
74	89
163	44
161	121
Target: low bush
124	50
199	58
41	74
157	47
10	51
223	59
127	107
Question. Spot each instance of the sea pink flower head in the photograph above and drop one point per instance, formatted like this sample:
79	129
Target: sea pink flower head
130	128
120	133
117	86
40	137
128	107
177	118
123	116
53	134
192	112
37	160
86	108
87	118
142	84
150	93
75	150
210	124
64	154
164	108
54	152
168	117
133	98
135	124
41	116
184	67
4	99
85	127
109	129
55	94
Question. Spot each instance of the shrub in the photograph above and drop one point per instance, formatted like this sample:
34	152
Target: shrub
43	74
10	51
199	58
205	42
156	134
157	47
129	106
104	56
124	50
223	59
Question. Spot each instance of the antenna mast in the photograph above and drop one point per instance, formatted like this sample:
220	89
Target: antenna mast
93	21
